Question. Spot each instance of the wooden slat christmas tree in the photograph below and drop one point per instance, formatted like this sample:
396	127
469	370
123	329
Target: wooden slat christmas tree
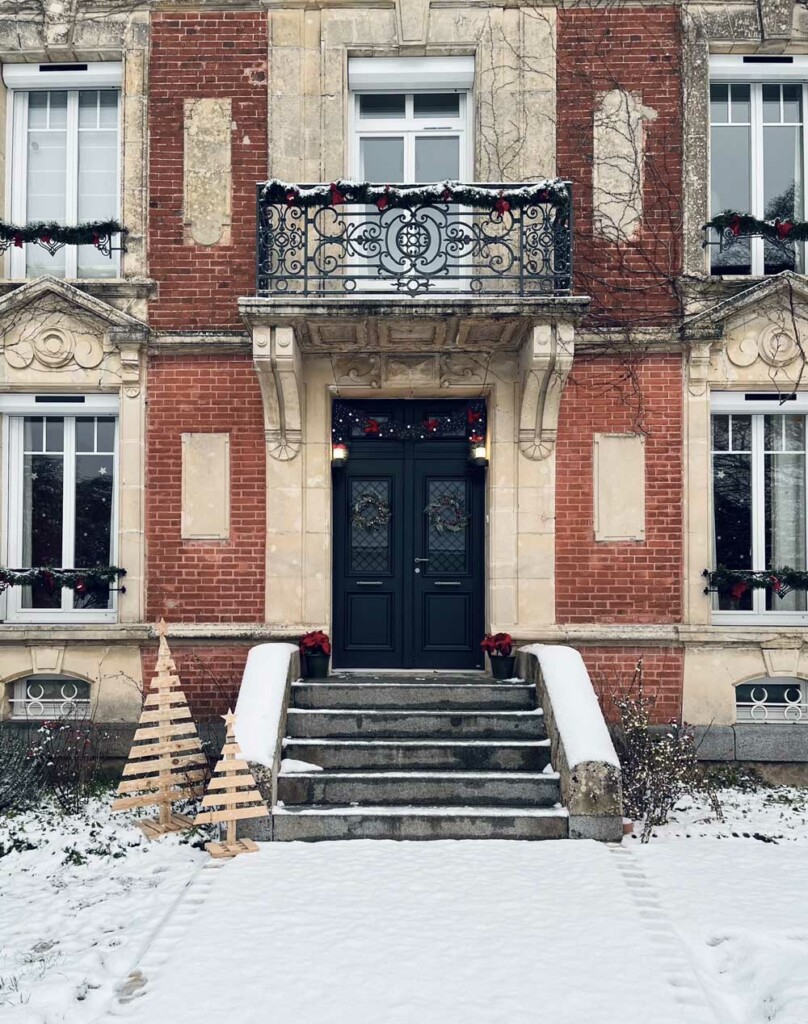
232	795
166	762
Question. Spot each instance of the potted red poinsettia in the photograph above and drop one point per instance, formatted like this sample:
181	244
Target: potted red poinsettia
315	647
499	648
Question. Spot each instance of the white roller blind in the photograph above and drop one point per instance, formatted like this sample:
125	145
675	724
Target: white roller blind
410	74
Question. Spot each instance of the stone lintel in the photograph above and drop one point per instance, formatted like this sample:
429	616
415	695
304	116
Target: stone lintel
391	324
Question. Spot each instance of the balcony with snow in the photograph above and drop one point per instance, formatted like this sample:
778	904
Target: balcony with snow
356	266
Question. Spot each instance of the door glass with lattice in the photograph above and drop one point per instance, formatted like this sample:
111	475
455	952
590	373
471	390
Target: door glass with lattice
447	526
371	523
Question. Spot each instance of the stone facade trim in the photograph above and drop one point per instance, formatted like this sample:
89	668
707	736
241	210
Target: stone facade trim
545	362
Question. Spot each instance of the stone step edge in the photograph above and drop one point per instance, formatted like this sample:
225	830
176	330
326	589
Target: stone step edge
415	811
416	684
516	712
408	742
431	776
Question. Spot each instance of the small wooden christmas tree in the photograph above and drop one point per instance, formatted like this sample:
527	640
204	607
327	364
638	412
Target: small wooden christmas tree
166	762
232	795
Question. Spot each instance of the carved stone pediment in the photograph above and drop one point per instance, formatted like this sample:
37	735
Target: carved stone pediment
759	336
53	334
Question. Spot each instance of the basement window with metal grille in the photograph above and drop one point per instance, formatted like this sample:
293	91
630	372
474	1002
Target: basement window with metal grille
50	698
779	700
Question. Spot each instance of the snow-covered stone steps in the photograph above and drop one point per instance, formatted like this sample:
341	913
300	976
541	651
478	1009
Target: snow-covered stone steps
314	822
414	694
388	754
363	722
515	789
409	756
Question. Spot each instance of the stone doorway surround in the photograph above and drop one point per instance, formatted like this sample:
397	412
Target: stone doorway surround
308	352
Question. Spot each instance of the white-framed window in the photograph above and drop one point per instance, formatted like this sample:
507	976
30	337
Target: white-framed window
776	700
64	160
411	137
758	155
759	506
410	124
50	697
61	473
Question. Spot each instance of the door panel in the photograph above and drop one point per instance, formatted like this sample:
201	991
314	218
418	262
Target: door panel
408	590
369	563
449	531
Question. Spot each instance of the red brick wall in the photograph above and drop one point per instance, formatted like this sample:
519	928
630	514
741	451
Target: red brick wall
210	674
612	670
192	580
638	50
639	581
204	56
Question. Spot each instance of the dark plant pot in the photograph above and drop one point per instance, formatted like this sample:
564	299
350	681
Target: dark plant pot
317	665
502	668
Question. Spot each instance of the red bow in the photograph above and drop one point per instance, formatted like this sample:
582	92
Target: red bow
45	237
446	195
291	197
784	228
382	202
371	427
473	416
18	240
502	205
96	239
336	196
735	225
738	590
431	424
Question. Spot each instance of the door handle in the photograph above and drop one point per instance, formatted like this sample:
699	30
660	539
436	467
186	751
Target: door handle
421	560
369	583
447	583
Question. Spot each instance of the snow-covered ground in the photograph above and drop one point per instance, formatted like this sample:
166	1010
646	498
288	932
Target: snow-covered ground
707	923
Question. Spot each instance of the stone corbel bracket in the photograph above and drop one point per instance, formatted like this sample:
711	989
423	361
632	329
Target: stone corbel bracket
276	357
699	351
131	345
545	361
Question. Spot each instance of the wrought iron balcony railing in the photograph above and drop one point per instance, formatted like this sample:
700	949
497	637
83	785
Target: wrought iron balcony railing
446	239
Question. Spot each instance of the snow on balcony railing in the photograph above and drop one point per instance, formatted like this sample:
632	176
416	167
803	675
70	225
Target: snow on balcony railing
446	238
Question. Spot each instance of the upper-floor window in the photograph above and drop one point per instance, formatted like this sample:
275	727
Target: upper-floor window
411	119
760	515
64	161
61	490
411	137
758	155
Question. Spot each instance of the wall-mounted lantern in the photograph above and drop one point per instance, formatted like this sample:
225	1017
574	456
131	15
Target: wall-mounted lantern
339	455
478	455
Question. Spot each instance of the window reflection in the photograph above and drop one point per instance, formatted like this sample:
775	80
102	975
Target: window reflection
756	167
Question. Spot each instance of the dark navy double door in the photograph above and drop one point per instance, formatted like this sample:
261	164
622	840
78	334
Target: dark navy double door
408	591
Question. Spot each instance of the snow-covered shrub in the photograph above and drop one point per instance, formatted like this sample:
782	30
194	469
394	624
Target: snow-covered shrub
20	772
70	755
658	767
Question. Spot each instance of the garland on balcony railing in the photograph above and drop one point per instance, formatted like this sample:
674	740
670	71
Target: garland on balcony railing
79	580
736	582
551	191
742	225
52	236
